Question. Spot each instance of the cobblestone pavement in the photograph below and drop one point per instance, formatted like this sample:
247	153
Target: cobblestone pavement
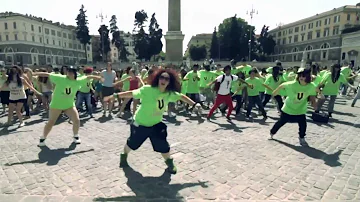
216	161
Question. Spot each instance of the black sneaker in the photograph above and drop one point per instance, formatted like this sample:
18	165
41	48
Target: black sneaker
330	114
171	167
352	105
123	161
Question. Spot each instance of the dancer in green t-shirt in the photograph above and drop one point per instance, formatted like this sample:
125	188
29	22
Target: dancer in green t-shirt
155	97
63	99
298	92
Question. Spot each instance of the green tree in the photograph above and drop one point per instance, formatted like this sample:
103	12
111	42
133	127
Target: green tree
104	41
197	53
82	29
141	42
266	43
155	35
117	39
215	46
234	35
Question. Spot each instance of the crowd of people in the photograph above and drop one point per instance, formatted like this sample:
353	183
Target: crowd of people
153	90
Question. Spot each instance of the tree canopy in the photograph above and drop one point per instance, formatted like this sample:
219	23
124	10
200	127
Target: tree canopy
82	29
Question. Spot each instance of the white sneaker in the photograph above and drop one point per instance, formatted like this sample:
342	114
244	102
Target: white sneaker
303	142
42	143
271	136
21	124
77	139
170	114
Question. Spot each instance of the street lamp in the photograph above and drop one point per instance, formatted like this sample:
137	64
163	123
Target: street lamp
252	12
102	17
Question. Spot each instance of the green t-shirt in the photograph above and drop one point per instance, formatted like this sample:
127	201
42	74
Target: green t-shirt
296	101
218	72
153	104
206	77
65	91
330	87
256	83
291	76
87	87
346	71
270	81
244	69
126	84
193	86
235	85
317	79
184	85
323	72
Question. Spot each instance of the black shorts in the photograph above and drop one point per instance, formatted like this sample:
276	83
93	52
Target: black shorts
107	91
18	101
194	97
156	133
4	97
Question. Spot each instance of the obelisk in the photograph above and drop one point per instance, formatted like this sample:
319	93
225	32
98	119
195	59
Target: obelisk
174	37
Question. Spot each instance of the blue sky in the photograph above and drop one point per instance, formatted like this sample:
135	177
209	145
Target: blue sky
198	16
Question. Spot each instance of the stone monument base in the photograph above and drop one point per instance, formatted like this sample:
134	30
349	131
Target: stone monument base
174	46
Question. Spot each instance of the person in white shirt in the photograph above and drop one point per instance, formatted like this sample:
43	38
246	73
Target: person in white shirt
222	86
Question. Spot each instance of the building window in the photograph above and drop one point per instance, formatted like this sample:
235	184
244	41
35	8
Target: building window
324	51
70	45
318	33
290	38
14	24
336	30
327	21
303	27
79	46
326	32
5	25
348	17
278	42
337	19
284	32
40	29
343	56
290	31
311	25
53	42
318	23
59	34
53	32
40	39
284	41
47	41
64	44
64	35
279	34
296	29
15	37
33	38
302	37
69	36
47	31
7	37
309	36
59	43
296	38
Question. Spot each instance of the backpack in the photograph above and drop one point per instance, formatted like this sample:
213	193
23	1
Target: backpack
217	84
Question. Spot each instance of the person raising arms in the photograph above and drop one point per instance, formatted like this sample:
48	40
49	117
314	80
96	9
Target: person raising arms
63	99
147	123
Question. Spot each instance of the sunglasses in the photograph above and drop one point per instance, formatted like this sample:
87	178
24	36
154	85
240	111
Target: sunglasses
164	78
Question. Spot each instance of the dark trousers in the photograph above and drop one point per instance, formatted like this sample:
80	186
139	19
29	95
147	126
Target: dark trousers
196	98
278	99
239	104
26	105
252	101
285	118
128	105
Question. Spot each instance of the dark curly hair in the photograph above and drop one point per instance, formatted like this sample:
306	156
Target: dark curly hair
174	83
16	72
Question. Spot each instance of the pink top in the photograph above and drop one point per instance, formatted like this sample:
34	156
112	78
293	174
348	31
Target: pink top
134	83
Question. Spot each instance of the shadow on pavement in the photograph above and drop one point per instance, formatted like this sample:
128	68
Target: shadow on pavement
331	160
172	120
230	126
152	188
52	156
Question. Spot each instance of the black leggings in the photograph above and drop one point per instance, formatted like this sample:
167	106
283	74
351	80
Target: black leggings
287	118
278	99
26	105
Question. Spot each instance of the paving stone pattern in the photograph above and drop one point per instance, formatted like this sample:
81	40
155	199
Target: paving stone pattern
216	160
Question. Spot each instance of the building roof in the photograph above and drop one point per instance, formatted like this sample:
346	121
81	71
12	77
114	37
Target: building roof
39	19
319	15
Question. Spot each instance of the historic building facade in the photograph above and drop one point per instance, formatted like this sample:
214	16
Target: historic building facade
351	47
30	40
319	36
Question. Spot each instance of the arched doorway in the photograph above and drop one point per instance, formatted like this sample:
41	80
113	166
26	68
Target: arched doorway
9	55
308	51
49	56
324	51
295	52
34	55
